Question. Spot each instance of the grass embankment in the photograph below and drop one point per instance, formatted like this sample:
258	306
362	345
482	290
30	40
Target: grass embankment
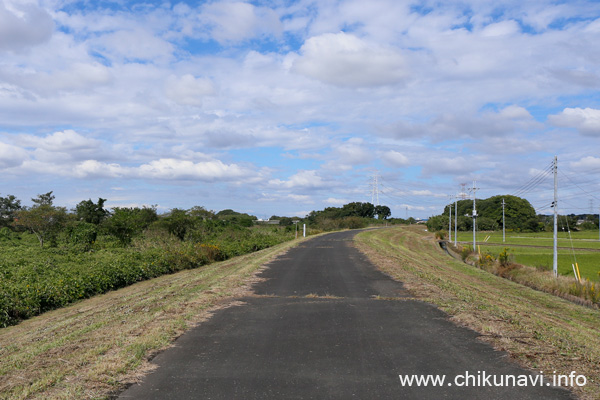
539	330
95	347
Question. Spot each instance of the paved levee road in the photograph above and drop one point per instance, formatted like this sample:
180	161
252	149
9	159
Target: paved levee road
325	324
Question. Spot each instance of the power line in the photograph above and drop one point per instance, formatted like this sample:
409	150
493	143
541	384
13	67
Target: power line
534	182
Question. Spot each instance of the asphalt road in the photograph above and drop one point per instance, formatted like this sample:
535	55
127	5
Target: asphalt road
327	325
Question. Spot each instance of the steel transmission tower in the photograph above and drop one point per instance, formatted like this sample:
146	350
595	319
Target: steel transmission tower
375	189
463	191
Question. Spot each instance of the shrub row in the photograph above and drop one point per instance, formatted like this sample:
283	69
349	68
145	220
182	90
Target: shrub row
34	280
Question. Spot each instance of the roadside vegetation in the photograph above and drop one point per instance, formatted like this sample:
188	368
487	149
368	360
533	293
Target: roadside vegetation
539	330
528	259
94	348
50	257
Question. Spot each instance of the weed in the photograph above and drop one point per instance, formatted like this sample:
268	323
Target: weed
465	252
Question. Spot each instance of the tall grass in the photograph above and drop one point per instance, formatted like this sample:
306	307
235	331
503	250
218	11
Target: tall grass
501	264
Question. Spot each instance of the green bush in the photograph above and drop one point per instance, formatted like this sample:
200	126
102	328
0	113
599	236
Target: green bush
82	234
34	279
465	252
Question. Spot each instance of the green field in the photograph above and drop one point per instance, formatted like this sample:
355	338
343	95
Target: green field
570	250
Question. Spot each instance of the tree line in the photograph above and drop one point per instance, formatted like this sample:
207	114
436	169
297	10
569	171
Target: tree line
82	225
519	216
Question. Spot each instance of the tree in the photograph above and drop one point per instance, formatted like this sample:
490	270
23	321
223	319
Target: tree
382	212
125	223
90	212
518	213
45	199
358	209
202	213
43	220
9	206
285	221
236	218
178	222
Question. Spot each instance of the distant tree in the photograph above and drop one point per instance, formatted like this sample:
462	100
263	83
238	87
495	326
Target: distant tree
43	220
382	212
437	223
178	222
9	206
125	223
201	212
357	209
588	226
226	213
518	212
90	212
236	218
285	221
486	224
44	199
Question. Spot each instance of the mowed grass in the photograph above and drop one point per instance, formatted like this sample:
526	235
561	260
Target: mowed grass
541	256
539	330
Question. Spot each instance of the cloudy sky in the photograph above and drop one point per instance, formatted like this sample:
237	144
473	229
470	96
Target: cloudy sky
283	107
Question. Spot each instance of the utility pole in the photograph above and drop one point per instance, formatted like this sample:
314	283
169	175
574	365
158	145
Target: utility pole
503	222
474	216
555	206
450	222
455	217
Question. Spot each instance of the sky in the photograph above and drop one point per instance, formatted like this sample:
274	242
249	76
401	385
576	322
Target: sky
282	107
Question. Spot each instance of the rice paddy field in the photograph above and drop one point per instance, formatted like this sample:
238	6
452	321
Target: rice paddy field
535	249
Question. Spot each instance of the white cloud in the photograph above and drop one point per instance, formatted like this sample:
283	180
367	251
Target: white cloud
207	171
589	162
336	202
11	156
305	179
503	28
301	198
134	45
237	22
585	120
22	25
448	166
93	169
514	112
394	158
188	90
352	152
345	60
65	141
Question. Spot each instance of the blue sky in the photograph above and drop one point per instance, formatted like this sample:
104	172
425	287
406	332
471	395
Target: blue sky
283	107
